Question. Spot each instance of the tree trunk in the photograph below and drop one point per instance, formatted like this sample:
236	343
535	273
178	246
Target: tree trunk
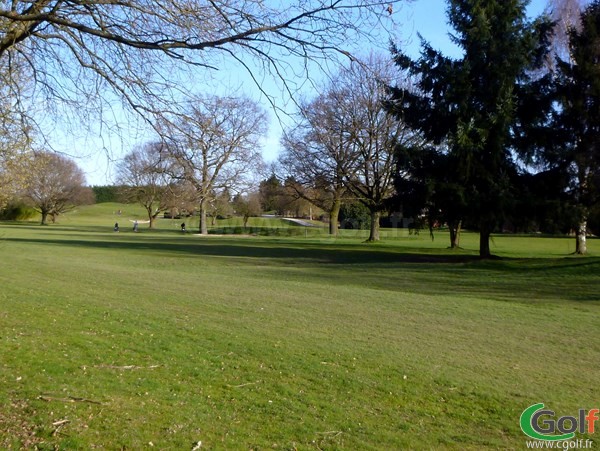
203	224
455	234
581	238
44	217
151	218
374	234
334	213
484	243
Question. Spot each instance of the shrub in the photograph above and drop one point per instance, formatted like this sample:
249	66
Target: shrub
17	212
354	216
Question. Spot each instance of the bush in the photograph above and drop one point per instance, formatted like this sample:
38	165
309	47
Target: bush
354	216
17	212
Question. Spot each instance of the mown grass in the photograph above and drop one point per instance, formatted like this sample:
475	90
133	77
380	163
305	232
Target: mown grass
160	339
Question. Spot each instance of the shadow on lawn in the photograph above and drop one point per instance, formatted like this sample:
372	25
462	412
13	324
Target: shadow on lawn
88	230
414	270
286	252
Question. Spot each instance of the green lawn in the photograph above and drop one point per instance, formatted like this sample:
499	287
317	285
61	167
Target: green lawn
288	341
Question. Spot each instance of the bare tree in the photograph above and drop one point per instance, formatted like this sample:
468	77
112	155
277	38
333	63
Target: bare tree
14	164
566	15
88	58
317	152
578	119
56	185
15	132
220	206
247	205
374	135
143	173
296	198
347	141
13	177
575	54
180	199
216	146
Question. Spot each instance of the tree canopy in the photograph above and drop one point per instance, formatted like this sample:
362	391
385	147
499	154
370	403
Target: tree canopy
215	146
470	103
55	185
144	178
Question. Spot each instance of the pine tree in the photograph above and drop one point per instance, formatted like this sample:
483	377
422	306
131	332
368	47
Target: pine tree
472	103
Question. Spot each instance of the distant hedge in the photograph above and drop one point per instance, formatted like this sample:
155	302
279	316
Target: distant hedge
106	193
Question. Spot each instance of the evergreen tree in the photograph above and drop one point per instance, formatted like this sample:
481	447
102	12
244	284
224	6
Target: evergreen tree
578	117
471	103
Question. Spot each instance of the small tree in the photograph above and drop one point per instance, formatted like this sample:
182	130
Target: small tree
143	174
180	198
272	195
247	206
56	185
297	199
220	206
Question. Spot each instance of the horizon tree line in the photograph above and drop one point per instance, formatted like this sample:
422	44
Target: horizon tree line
506	132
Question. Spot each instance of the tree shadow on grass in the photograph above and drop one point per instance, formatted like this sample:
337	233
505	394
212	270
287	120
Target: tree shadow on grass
409	270
286	252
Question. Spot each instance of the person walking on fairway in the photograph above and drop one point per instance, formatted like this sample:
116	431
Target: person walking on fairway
135	226
183	227
116	229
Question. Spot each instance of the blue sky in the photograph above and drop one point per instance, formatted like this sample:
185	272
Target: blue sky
427	17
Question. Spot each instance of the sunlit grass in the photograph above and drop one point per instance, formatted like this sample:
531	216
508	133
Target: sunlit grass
124	339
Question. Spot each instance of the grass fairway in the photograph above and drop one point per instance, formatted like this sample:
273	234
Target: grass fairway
164	340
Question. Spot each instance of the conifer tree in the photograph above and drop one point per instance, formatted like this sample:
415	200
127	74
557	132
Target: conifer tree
471	103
